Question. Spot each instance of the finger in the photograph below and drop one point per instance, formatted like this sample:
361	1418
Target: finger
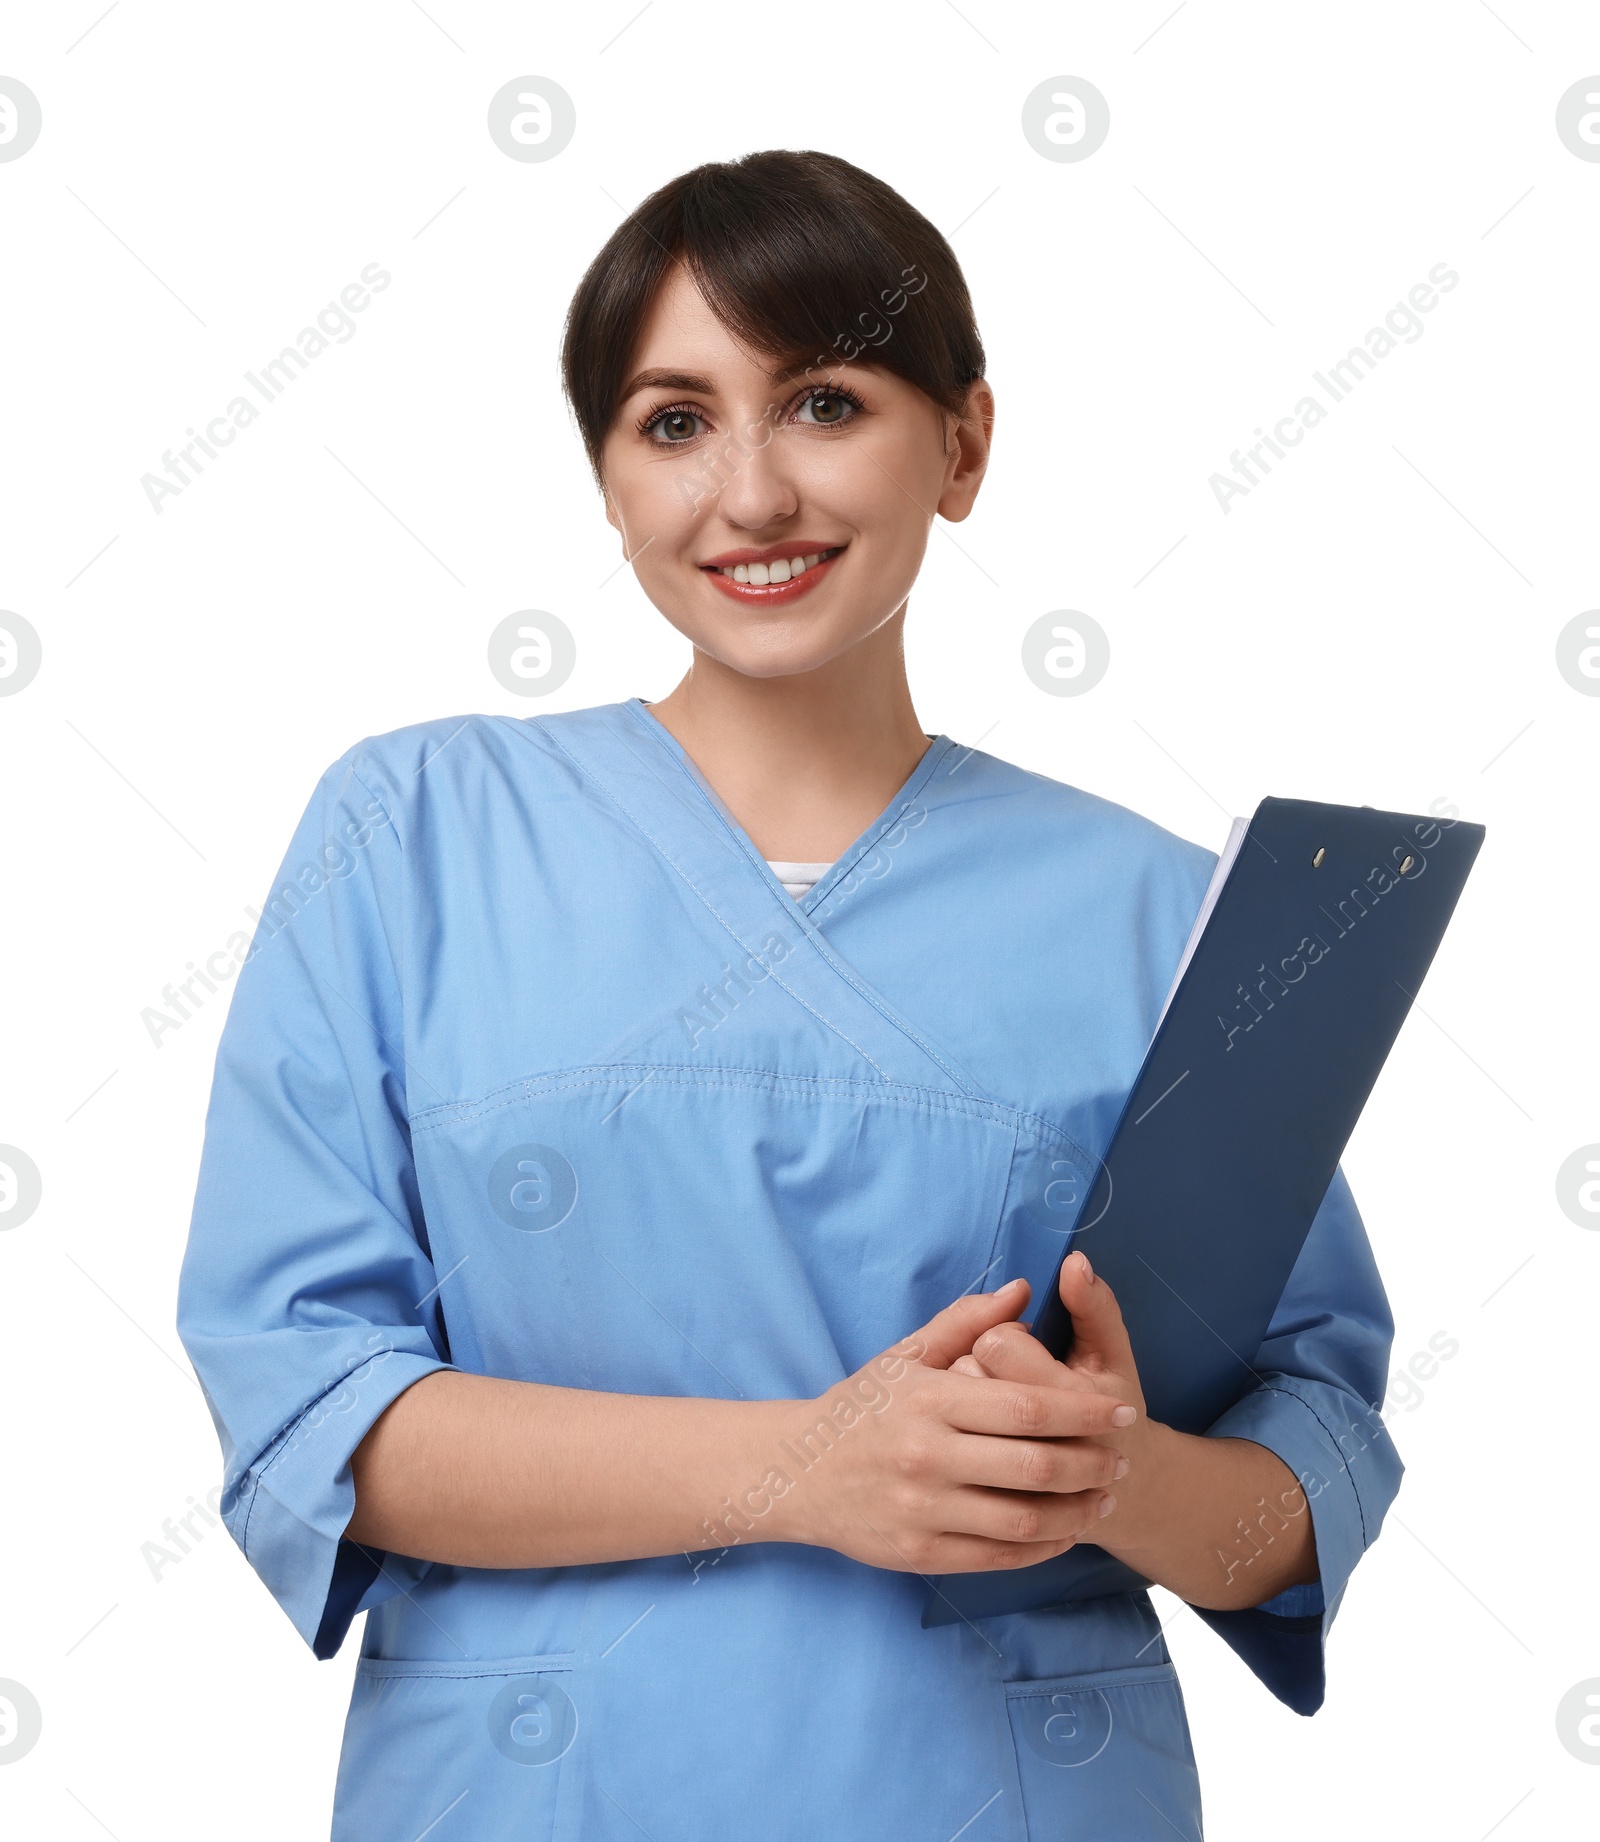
1032	1410
952	1333
1063	1466
1010	1352
1024	1516
1099	1336
967	1365
975	1554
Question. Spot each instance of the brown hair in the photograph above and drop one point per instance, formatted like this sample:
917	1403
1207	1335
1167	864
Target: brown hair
802	256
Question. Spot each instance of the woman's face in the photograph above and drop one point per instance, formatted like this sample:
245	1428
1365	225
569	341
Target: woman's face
817	484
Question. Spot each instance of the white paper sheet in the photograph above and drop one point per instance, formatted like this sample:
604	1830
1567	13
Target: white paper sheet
1219	876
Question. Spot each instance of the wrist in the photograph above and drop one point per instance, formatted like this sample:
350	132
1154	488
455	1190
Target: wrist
795	1439
1154	1452
793	1467
747	1498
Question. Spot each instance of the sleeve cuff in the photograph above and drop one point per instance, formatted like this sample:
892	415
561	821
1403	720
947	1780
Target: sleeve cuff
1341	1453
1296	1601
288	1511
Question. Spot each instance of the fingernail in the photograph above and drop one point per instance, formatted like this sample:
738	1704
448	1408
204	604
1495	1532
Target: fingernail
1088	1271
1124	1415
1107	1504
1123	1468
1000	1291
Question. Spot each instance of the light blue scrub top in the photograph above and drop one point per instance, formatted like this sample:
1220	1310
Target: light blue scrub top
534	1070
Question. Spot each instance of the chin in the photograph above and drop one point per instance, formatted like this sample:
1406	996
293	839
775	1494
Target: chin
782	642
777	649
773	661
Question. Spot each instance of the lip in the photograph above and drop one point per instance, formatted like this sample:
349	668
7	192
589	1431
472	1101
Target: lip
771	553
773	594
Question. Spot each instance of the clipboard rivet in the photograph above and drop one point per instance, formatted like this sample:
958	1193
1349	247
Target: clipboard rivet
1405	866
1316	862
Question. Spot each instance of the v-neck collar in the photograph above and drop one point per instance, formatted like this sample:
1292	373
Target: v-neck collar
643	770
892	815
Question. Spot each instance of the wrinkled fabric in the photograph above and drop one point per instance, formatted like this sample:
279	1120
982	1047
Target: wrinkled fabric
534	1070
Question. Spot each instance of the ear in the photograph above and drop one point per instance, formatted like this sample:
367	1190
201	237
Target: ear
968	456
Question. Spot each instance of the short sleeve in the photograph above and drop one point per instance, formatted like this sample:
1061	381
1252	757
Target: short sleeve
1322	1371
307	1297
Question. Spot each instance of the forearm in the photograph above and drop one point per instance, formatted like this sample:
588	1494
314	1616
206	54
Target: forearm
478	1472
909	1464
1223	1523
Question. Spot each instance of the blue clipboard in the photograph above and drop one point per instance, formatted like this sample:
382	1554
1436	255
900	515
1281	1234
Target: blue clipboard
1291	995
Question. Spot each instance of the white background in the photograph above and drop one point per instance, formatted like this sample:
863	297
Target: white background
1375	623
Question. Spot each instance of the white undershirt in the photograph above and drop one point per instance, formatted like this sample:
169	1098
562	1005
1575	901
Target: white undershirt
799	878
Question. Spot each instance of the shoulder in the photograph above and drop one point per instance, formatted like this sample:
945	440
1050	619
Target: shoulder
1070	827
450	759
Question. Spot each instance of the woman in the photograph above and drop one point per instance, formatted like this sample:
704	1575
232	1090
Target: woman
623	1118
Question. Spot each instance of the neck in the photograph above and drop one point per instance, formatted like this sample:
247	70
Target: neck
804	763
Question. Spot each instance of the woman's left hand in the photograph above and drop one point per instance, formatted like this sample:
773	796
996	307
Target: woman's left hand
1101	1360
1180	1518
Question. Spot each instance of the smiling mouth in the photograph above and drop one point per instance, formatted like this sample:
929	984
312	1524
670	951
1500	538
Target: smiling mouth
782	579
780	570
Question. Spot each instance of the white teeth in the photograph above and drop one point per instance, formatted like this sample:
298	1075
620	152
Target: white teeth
761	575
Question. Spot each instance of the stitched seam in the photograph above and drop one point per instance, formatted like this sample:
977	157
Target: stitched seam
339	1382
842	868
1344	1463
897	1093
394	821
276	1446
250	1510
1063	1138
931	759
826	1022
1006	1189
279	1444
809	931
1153	1675
402	927
622	1070
563	1663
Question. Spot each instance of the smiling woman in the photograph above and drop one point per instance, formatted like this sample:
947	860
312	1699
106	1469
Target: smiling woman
620	1134
751	466
852	464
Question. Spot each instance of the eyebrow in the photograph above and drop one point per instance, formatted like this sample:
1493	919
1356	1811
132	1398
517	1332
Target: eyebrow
666	380
699	385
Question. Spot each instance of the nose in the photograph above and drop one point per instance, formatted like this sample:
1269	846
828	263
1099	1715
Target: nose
758	487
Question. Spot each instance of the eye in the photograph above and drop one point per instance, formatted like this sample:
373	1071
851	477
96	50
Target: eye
828	408
673	426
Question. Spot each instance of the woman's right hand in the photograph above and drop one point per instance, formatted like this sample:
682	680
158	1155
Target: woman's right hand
915	1467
